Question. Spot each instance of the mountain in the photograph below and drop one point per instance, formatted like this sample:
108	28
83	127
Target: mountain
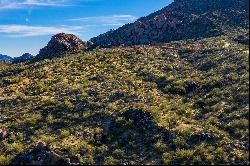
183	19
184	102
24	58
61	44
5	58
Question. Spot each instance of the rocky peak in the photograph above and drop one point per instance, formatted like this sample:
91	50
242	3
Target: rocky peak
61	44
181	20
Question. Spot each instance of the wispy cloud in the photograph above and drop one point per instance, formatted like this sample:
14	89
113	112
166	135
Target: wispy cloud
17	4
114	20
26	31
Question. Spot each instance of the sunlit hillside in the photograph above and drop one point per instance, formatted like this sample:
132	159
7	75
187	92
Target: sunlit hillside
184	102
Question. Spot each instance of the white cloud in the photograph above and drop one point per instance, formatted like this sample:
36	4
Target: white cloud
25	31
114	20
17	4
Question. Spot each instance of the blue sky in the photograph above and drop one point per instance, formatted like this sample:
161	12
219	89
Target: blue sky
27	25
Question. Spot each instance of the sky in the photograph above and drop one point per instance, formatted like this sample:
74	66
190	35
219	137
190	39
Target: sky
27	25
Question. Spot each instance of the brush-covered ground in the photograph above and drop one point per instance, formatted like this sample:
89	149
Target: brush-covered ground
185	102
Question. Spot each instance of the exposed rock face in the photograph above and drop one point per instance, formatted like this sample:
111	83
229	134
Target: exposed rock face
25	57
61	44
181	20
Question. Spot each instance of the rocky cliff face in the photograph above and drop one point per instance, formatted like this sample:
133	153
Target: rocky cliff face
183	19
61	44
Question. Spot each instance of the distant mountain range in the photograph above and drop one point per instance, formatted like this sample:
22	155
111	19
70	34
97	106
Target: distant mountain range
23	58
5	58
183	19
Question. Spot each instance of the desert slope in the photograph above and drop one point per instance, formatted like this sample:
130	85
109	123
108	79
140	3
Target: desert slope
184	102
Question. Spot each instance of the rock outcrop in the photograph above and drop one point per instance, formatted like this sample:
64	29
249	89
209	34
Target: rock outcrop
61	44
179	21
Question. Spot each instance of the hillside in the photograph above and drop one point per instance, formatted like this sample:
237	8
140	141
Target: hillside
171	88
183	19
184	102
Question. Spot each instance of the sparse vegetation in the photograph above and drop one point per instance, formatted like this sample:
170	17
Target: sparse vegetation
134	105
183	100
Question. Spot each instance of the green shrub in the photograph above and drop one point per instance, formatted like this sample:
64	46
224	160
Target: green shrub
5	160
65	133
110	161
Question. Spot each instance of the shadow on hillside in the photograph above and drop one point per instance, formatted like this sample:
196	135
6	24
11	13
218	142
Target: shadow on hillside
135	132
167	86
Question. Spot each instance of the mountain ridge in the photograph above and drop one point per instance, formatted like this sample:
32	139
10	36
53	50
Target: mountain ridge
180	20
5	58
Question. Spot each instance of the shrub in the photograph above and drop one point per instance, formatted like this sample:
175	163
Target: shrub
167	157
5	160
110	161
65	133
118	153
